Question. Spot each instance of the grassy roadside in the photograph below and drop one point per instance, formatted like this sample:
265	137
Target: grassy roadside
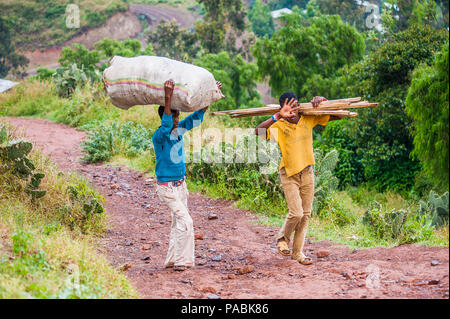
342	219
48	246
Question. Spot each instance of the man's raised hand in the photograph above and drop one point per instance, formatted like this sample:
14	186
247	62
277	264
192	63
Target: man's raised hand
289	109
169	86
317	100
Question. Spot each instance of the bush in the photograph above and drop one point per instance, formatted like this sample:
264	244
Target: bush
337	135
45	73
334	212
106	140
68	79
402	226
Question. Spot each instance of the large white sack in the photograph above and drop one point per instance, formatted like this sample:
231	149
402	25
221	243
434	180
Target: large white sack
140	81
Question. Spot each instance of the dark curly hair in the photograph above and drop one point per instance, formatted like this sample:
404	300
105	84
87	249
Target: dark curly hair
288	96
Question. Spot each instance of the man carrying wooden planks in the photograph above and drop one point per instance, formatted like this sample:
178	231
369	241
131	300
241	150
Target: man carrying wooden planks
293	133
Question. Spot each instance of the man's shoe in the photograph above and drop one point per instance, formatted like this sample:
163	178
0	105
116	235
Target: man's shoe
179	268
302	259
283	248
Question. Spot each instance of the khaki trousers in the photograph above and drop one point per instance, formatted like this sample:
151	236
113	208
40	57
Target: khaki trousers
181	245
299	192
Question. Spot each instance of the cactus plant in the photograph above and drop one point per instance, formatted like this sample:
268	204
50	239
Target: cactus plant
3	134
436	208
13	157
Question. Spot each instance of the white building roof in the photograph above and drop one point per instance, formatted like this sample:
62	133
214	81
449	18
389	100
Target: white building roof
278	13
5	85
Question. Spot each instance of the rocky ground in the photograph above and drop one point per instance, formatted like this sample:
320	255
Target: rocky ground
236	257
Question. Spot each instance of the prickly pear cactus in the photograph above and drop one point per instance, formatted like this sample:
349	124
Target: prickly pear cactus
3	134
13	157
91	201
436	208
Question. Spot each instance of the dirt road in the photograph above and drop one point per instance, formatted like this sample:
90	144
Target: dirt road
140	232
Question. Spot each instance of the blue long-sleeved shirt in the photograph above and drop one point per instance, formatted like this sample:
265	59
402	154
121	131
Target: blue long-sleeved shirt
169	147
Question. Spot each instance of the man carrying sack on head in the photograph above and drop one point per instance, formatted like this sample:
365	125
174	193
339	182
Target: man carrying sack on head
293	133
170	172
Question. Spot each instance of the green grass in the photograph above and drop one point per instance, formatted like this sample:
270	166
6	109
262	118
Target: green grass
49	246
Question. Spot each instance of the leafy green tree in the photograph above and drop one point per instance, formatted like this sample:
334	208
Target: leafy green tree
89	60
261	19
127	48
427	104
9	59
349	11
173	42
223	19
79	55
279	4
383	133
238	79
405	13
304	47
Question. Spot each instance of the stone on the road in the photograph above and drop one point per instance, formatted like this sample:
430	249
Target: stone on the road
323	253
212	216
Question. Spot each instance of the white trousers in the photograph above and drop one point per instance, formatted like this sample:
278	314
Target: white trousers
181	245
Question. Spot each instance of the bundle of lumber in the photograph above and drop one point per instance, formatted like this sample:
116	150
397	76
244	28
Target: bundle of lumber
331	107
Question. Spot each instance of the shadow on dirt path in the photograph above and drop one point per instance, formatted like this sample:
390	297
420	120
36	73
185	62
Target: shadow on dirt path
232	244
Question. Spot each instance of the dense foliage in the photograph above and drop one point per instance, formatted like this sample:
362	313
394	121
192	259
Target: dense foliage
261	19
9	58
327	44
238	79
224	20
427	104
383	133
174	42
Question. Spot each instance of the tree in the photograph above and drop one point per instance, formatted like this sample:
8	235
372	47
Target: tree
79	55
127	48
349	11
304	47
238	79
401	14
279	4
171	41
427	105
223	19
9	59
261	19
383	133
89	60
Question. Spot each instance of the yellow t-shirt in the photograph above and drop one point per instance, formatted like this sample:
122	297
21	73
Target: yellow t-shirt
296	141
